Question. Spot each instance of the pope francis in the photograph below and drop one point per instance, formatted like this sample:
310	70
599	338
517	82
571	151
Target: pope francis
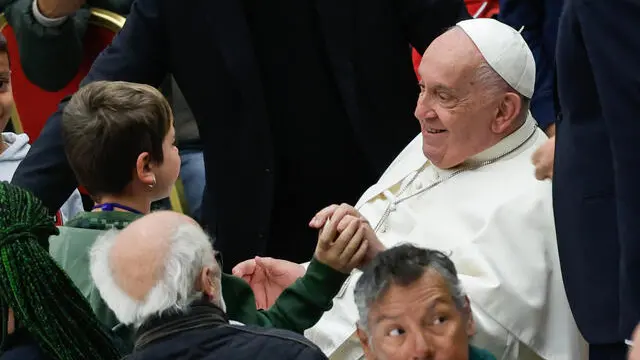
465	186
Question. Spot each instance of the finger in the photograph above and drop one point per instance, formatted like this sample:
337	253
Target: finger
339	246
350	210
342	211
345	222
541	172
359	257
353	245
246	267
321	217
267	263
327	235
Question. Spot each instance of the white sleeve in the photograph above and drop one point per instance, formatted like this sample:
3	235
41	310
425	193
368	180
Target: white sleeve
43	20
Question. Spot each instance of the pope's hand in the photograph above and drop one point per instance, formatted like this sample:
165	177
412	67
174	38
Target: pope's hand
343	214
268	277
543	159
342	250
339	211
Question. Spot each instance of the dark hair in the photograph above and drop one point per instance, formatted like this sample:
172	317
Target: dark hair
106	126
403	265
43	299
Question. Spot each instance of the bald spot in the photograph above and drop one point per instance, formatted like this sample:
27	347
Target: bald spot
139	252
451	60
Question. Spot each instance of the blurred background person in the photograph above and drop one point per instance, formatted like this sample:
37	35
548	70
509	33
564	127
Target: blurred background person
44	316
14	147
51	37
596	172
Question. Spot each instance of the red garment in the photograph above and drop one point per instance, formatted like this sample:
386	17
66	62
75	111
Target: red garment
59	218
492	8
473	6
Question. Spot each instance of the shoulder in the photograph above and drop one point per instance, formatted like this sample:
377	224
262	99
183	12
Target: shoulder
412	150
283	343
479	354
517	173
77	234
25	352
72	243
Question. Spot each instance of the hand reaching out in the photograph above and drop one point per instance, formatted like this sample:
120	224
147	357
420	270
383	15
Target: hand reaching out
268	277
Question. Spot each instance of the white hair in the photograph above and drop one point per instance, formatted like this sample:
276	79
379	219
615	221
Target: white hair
190	251
495	85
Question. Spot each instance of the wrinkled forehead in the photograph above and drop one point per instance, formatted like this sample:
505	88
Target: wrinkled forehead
451	59
412	300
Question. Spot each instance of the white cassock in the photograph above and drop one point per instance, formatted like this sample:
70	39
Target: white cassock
496	222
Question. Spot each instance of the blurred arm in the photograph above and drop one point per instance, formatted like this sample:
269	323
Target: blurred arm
137	55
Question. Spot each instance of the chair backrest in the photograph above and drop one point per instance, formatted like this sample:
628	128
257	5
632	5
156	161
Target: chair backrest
33	105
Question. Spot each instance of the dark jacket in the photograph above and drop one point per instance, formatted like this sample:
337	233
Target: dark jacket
213	62
21	346
50	57
204	333
540	20
596	173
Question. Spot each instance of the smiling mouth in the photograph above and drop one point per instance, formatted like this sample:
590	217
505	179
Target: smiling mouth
435	131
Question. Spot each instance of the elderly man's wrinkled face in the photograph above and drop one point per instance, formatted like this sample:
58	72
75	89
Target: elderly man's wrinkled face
419	321
455	111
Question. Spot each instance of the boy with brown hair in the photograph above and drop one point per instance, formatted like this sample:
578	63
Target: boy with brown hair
119	140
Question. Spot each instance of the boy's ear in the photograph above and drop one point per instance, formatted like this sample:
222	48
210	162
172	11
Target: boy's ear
143	169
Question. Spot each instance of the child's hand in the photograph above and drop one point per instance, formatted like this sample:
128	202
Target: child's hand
374	246
343	251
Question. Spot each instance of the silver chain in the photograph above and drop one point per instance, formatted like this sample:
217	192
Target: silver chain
392	205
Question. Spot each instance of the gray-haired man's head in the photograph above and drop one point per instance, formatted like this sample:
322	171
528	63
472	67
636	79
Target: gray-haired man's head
410	304
161	262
